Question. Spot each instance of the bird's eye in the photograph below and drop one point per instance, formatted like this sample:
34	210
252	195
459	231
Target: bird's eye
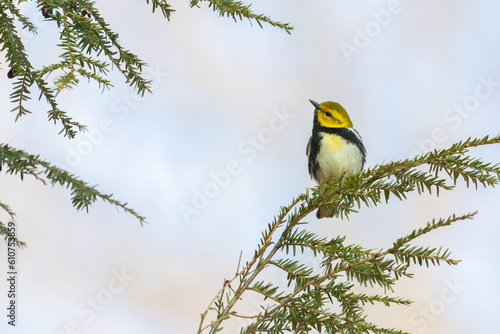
329	114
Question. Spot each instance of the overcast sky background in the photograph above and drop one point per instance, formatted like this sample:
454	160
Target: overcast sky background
233	98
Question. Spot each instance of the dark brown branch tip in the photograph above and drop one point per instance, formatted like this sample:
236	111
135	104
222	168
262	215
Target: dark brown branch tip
46	11
12	73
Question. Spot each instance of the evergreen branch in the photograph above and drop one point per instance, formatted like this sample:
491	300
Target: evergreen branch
26	23
8	237
297	272
422	181
166	9
297	319
86	74
77	32
386	300
315	311
366	327
422	255
67	44
462	146
10	40
267	289
358	270
341	208
82	29
352	309
365	272
354	268
304	239
56	114
133	65
398	271
82	195
389	188
236	9
18	60
16	57
7	209
249	273
463	167
304	307
428	228
20	94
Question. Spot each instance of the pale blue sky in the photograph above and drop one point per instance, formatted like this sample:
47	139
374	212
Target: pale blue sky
233	98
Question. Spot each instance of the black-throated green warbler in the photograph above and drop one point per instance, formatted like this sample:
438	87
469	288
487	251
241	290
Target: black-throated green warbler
335	147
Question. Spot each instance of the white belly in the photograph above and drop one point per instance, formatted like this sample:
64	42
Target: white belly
336	156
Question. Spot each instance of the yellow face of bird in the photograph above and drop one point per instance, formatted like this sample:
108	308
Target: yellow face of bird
332	115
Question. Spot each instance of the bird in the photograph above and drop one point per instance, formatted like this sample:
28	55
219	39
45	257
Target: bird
334	148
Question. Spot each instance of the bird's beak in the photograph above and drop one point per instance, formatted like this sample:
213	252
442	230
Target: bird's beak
315	104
